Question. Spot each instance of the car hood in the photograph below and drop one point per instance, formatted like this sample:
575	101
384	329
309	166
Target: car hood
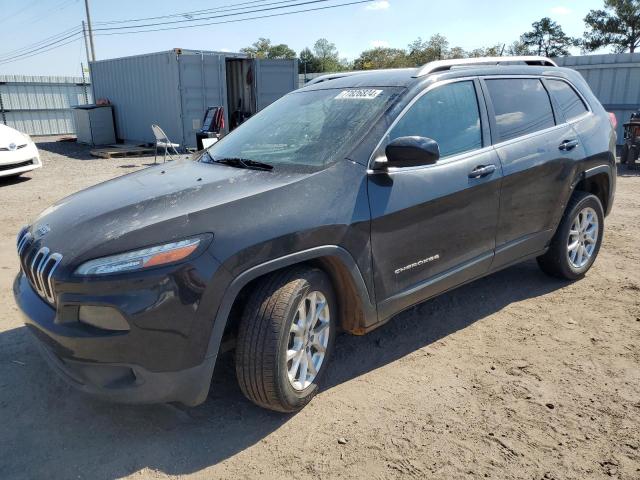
9	135
151	206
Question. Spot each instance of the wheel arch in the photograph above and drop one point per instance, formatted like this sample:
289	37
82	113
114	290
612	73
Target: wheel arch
356	304
597	181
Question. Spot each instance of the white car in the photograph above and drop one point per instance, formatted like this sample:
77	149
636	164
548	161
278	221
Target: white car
18	153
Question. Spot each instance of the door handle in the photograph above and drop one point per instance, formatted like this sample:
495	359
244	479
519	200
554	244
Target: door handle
482	171
568	145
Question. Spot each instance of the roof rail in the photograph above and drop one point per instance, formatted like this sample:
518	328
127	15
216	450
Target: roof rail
336	75
442	65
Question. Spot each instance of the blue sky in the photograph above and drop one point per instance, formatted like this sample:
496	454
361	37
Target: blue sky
466	23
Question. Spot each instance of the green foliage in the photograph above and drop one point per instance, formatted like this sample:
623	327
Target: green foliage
518	48
307	62
259	49
264	49
457	52
618	25
548	39
381	58
327	56
281	51
420	52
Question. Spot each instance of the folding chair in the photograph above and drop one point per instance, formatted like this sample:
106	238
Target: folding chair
163	141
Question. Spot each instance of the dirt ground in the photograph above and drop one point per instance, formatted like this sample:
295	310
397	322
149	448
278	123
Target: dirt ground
513	376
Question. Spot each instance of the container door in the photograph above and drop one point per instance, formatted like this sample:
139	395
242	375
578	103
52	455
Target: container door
274	79
202	83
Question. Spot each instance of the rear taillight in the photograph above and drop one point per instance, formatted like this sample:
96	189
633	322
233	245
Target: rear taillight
613	120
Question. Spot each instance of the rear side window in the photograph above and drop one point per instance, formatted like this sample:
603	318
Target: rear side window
449	115
521	106
570	102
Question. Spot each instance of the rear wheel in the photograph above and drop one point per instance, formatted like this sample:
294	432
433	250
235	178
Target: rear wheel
577	241
285	339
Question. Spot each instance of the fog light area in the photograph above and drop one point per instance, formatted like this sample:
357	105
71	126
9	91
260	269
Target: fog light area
106	318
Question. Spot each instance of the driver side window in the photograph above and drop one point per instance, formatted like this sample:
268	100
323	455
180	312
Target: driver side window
449	115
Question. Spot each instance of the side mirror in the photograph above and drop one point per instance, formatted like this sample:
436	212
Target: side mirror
412	152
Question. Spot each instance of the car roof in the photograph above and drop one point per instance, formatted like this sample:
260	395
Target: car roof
440	70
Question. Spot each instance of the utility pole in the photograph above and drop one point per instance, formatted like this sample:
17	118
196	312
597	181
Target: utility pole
93	50
86	41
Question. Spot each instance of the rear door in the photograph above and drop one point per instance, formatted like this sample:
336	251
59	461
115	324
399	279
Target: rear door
539	154
433	227
274	79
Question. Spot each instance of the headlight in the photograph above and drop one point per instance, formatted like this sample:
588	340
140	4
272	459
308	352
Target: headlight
140	259
27	138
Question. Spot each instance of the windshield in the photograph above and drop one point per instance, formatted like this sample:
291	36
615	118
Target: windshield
309	128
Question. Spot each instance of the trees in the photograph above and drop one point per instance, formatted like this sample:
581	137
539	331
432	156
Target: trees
281	51
327	56
259	49
547	38
457	52
420	52
264	49
518	48
381	58
618	25
307	62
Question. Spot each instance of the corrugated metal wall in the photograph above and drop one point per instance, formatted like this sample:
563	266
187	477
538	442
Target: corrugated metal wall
143	90
614	79
41	105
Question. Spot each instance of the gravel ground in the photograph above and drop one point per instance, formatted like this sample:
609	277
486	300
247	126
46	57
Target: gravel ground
513	376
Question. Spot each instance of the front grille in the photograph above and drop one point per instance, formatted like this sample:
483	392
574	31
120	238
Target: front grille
16	165
7	149
38	265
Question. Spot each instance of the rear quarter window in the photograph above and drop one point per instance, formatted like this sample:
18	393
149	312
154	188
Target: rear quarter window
569	101
521	106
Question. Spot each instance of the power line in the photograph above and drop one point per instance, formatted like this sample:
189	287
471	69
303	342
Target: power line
23	9
260	17
126	27
53	10
2	62
28	49
40	42
221	8
34	49
57	43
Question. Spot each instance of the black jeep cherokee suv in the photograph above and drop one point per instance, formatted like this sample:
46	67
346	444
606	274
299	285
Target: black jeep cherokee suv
335	208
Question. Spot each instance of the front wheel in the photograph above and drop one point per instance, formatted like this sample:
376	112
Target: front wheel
285	338
577	241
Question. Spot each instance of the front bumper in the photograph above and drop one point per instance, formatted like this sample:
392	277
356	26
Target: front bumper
125	383
19	161
151	363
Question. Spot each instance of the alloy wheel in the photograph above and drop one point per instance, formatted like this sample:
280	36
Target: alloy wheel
583	237
308	340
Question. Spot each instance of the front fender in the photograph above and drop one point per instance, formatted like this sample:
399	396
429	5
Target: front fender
316	253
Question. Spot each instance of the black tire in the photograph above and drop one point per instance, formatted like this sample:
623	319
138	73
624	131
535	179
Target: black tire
556	261
264	337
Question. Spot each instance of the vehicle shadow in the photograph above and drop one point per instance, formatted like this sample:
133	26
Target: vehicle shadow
110	441
6	181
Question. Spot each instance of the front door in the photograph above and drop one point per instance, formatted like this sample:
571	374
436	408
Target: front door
433	227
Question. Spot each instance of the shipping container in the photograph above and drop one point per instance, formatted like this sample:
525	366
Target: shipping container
614	79
173	90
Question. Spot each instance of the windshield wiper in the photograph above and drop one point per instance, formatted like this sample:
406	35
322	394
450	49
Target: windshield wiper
244	163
